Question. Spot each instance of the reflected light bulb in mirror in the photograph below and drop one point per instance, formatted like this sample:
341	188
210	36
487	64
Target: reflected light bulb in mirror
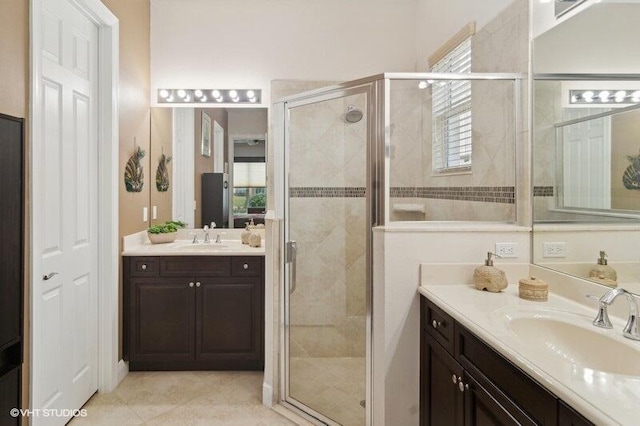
187	98
170	98
620	95
164	93
215	93
252	100
203	99
423	85
635	96
182	93
604	96
588	96
219	99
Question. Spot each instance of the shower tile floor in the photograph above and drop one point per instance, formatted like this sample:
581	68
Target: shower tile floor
230	398
333	386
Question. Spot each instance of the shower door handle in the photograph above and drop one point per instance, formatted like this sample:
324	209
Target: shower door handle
292	255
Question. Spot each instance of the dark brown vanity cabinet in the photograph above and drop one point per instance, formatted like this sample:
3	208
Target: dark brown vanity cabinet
465	382
11	265
194	312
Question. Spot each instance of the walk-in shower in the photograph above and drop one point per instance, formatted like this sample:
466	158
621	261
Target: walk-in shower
359	155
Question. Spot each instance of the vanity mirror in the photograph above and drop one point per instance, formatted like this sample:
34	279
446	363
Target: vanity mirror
185	182
586	145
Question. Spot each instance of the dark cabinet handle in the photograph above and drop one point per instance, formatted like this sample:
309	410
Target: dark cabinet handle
245	266
190	284
435	324
198	284
144	267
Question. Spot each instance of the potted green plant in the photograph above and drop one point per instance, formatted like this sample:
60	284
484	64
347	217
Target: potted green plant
164	233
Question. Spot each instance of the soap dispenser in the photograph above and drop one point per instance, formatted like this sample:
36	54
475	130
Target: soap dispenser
488	277
604	273
246	233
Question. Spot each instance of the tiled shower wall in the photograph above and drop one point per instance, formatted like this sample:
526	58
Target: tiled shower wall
487	193
327	219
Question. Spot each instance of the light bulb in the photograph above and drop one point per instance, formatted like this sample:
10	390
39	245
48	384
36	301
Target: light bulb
233	93
187	98
236	99
164	93
170	98
604	96
215	93
250	94
423	85
203	99
574	99
182	93
252	100
219	99
620	95
588	96
635	96
198	93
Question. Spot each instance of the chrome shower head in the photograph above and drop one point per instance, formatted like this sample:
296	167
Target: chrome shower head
354	114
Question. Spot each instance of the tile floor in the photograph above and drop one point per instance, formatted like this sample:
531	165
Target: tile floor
183	398
333	386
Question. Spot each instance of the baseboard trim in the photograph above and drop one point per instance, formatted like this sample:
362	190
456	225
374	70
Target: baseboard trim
122	371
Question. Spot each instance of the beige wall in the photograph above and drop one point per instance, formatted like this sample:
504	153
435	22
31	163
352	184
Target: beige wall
205	164
14	100
134	111
161	143
133	104
625	132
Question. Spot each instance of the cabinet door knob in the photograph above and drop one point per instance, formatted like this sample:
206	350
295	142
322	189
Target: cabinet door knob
245	266
454	379
436	324
462	386
190	284
144	266
198	284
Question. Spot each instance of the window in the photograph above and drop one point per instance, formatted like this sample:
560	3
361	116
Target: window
249	187
451	112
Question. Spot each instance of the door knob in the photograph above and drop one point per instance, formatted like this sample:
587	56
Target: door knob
48	277
198	284
245	266
190	284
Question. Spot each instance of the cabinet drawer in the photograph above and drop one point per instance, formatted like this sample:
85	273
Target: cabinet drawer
143	267
486	365
439	325
246	266
201	266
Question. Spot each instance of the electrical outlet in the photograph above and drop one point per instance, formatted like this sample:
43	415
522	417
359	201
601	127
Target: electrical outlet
558	249
145	214
507	250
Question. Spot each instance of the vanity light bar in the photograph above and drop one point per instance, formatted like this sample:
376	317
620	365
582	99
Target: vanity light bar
211	96
614	96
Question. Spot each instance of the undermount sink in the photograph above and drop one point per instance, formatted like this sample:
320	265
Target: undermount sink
573	339
200	246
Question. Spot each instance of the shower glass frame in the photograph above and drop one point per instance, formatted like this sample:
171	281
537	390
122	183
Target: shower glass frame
378	89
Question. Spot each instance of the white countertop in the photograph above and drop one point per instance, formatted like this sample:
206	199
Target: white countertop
603	398
138	245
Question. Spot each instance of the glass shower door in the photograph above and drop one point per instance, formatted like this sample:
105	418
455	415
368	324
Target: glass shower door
327	231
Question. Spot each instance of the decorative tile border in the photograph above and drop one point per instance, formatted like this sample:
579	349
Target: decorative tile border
327	192
543	191
486	194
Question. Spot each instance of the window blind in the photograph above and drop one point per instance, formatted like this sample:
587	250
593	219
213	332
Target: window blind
249	175
451	111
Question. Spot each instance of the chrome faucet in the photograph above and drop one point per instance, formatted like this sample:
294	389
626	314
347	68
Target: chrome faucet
630	330
218	237
206	234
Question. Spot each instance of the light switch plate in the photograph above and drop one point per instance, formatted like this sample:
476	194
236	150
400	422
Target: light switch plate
145	214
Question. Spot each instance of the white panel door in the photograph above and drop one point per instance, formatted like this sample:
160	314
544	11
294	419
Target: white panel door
65	308
586	162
